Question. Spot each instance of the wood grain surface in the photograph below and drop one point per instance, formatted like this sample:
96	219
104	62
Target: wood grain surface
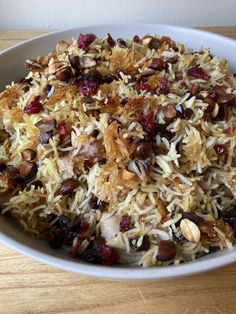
27	286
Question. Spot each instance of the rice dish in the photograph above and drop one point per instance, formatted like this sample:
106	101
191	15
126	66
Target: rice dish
122	151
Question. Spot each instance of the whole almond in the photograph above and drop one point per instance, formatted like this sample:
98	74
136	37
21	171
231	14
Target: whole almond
190	230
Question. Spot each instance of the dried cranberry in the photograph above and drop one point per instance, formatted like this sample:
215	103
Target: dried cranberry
88	87
145	246
168	135
62	129
84	225
125	223
84	41
34	107
148	123
198	72
136	39
100	253
221	149
164	89
142	85
213	96
110	40
123	101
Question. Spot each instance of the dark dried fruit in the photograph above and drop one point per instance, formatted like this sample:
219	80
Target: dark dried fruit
2	167
88	87
148	123
47	89
93	202
44	137
172	60
188	112
154	43
166	251
74	62
121	42
28	154
143	151
110	40
221	149
100	253
28	170
62	129
68	186
142	85
145	246
46	125
34	107
227	99
229	216
136	39
198	72
3	136
84	225
125	223
84	41
157	64
164	89
193	217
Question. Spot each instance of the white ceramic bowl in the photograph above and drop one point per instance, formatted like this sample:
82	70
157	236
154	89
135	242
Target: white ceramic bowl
12	68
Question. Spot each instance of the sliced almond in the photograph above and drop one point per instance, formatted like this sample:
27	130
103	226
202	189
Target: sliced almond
146	39
215	111
190	230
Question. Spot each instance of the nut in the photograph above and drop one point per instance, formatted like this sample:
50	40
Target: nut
46	125
68	186
166	251
215	111
44	137
146	39
28	154
127	175
28	170
190	230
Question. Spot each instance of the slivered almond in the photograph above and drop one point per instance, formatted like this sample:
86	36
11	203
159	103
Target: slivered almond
127	175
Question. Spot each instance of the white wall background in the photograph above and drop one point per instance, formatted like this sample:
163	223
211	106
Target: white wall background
58	14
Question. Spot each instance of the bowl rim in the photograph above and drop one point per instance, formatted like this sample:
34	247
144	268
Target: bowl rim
124	272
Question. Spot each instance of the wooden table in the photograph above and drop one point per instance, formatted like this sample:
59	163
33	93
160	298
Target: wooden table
27	286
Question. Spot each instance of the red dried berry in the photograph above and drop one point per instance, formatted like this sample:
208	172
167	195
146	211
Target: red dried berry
164	89
142	85
107	255
34	107
84	41
62	129
198	72
110	40
136	39
221	149
84	225
88	87
125	223
148	123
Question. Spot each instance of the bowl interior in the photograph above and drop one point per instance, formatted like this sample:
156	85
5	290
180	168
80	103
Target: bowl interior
12	69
